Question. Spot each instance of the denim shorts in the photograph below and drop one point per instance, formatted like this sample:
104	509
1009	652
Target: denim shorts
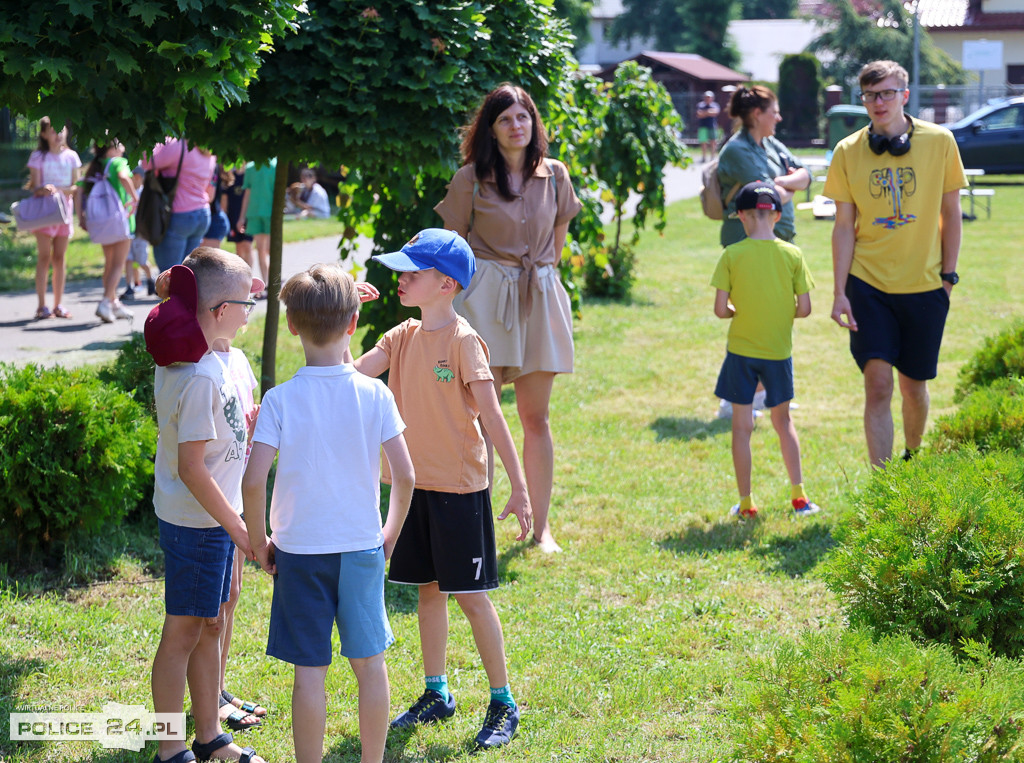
197	569
184	234
312	592
739	376
219	225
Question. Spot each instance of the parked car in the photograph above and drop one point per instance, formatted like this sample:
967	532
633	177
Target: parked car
992	138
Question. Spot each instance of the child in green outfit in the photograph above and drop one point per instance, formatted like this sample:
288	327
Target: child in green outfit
768	284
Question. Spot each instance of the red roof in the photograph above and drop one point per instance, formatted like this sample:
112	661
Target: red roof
694	65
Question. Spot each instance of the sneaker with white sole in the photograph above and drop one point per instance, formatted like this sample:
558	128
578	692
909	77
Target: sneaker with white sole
500	725
429	708
105	311
750	513
120	311
802	507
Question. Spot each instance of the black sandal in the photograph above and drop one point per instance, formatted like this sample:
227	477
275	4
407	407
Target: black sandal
234	720
205	751
246	706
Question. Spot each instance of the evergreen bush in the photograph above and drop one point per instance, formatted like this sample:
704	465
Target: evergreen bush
1000	356
133	371
75	454
990	418
830	699
935	550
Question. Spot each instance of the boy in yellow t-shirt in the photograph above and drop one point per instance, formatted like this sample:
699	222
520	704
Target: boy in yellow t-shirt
768	283
444	389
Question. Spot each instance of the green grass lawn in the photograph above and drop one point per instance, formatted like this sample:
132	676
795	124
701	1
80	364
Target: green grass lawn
630	646
85	259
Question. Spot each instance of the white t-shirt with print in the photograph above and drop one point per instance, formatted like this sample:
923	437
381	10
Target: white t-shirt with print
198	401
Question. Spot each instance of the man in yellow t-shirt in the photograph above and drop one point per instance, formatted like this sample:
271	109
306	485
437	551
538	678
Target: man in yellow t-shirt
894	250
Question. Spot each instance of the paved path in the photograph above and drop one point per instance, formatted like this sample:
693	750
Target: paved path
85	339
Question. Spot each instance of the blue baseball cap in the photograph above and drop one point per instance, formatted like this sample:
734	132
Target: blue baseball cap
444	250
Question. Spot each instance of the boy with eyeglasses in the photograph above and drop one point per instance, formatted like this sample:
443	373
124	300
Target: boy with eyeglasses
894	250
198	488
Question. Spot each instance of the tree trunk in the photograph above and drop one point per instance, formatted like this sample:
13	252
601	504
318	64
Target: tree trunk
267	369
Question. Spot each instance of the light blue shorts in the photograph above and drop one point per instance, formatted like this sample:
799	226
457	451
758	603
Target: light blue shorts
314	591
197	569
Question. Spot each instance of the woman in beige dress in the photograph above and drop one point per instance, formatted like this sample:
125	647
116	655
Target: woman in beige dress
513	205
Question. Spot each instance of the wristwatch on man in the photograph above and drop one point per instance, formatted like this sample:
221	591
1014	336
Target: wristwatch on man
950	278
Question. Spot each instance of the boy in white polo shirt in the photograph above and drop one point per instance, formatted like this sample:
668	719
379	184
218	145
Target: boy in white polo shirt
326	426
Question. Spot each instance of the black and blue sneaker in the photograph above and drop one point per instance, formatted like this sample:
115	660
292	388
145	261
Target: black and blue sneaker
500	725
429	708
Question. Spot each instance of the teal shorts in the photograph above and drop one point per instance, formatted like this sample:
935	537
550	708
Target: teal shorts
257	226
705	134
315	592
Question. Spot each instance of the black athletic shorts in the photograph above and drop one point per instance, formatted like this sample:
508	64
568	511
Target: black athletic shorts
448	538
904	330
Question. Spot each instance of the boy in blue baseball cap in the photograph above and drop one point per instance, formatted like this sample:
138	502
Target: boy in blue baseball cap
442	383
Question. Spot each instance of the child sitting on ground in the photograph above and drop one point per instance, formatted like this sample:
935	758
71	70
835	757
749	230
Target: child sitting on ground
197	495
443	384
762	276
327	426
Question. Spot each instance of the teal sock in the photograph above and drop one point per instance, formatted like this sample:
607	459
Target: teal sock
440	685
504	694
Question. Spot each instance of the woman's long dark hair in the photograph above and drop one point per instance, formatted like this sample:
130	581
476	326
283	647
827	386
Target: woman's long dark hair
745	100
99	153
480	147
44	144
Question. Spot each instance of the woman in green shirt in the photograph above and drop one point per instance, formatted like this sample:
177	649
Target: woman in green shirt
754	153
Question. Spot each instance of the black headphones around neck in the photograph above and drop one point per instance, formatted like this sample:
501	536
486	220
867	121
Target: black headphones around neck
896	146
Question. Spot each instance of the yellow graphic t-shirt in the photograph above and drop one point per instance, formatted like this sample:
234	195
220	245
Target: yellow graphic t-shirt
898	248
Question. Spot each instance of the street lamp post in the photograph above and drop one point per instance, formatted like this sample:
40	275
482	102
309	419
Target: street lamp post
914	8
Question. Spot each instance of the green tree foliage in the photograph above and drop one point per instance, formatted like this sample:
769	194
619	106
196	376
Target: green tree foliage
135	69
989	418
638	141
799	96
768	9
684	26
577	14
854	40
381	87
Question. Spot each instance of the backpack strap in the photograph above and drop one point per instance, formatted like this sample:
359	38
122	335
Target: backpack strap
732	193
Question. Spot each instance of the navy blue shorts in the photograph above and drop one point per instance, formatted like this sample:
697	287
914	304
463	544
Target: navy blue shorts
197	569
739	376
312	592
447	538
904	330
219	226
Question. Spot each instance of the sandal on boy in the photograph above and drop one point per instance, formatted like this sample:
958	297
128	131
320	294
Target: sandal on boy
205	751
249	707
235	720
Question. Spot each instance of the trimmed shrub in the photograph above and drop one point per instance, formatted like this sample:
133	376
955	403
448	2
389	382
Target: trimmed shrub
133	371
1000	356
935	550
989	418
830	699
75	455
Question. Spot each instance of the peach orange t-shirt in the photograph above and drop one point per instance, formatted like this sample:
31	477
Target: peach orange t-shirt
429	375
